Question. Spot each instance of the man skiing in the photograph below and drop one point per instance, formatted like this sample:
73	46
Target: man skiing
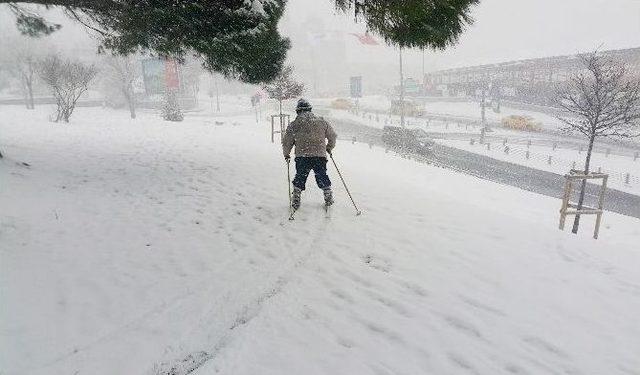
308	134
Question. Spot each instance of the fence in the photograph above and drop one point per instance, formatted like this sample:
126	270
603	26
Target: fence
429	122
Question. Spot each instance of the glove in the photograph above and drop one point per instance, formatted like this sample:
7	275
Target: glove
329	150
287	158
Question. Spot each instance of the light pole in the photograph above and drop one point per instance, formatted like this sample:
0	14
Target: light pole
217	96
401	91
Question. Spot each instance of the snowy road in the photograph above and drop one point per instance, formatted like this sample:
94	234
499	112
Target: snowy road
535	180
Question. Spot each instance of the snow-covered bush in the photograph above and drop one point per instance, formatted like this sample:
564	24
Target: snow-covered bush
68	80
170	107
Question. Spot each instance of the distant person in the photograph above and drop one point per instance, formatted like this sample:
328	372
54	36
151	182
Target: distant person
313	138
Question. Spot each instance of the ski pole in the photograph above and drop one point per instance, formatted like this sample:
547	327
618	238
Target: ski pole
358	212
289	182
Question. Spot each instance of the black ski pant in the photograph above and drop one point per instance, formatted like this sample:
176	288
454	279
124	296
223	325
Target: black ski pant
304	164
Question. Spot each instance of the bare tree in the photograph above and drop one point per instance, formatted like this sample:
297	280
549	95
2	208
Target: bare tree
122	73
600	101
284	87
68	80
21	61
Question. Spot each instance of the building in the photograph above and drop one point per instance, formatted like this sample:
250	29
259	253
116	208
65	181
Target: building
528	81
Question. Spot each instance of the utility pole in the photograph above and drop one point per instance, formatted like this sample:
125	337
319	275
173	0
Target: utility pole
423	63
217	96
401	92
483	106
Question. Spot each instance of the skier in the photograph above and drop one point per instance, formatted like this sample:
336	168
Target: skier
308	134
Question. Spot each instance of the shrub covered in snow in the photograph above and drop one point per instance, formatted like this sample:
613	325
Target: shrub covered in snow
170	107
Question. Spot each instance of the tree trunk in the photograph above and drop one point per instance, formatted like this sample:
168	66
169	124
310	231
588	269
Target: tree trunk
128	95
583	185
280	101
30	103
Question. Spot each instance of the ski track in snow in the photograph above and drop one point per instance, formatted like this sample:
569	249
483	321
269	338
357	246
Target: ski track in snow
156	248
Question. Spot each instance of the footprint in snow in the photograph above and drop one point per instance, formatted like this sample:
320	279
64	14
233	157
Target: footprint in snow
378	264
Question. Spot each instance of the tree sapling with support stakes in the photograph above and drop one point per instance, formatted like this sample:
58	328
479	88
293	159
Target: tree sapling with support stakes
600	101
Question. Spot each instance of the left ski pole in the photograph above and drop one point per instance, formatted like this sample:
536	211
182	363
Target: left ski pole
289	185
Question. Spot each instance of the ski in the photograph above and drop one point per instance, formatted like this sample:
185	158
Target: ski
327	211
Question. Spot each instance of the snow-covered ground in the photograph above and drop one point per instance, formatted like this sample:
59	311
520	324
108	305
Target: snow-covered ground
139	246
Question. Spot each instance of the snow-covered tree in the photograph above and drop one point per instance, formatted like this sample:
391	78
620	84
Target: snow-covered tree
600	101
413	23
68	80
21	62
171	107
284	87
121	73
237	38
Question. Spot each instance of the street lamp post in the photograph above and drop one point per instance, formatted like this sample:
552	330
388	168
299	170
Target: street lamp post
401	92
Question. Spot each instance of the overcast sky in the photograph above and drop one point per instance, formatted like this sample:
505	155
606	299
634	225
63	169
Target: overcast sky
511	29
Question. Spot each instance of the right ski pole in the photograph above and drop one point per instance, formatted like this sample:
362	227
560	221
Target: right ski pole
358	212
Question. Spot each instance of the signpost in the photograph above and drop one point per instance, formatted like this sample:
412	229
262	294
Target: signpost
355	85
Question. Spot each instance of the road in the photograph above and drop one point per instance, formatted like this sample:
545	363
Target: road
537	181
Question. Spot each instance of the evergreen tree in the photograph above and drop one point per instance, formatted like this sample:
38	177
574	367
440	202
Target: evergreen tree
413	23
238	38
171	110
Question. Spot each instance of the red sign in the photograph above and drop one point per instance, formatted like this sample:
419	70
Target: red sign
171	78
366	39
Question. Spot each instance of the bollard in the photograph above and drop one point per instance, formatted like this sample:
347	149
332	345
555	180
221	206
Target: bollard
549	160
353	140
599	169
555	145
527	154
627	178
370	145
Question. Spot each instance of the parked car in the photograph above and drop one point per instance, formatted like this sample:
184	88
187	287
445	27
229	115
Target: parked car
407	140
411	108
523	123
342	104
